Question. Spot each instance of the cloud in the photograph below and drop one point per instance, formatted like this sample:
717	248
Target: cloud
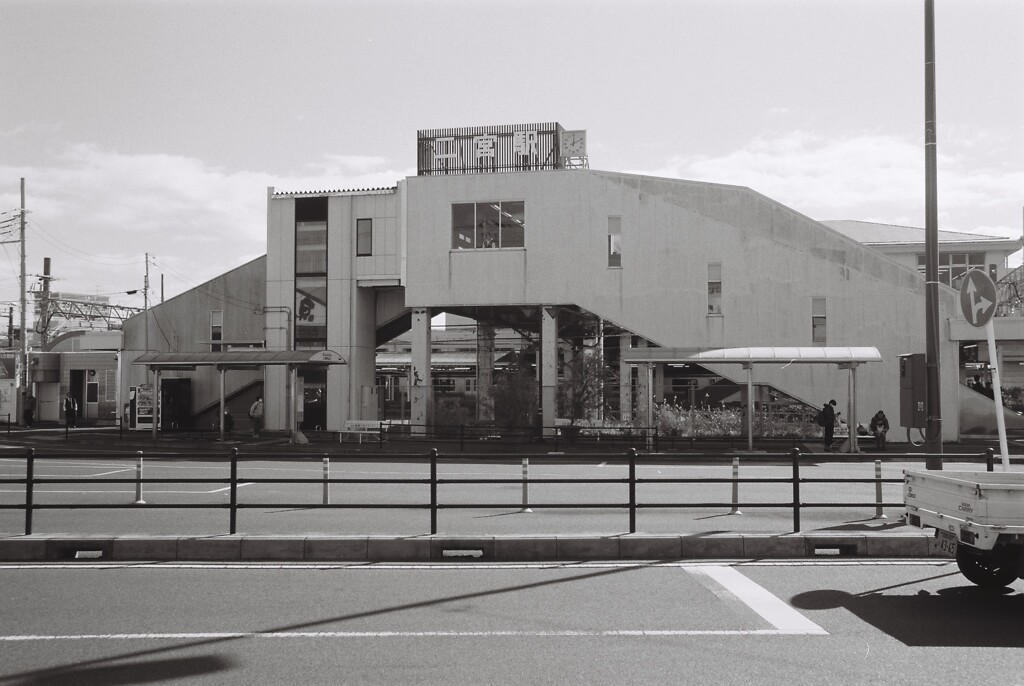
868	175
97	212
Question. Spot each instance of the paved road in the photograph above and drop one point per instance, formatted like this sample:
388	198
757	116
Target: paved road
799	622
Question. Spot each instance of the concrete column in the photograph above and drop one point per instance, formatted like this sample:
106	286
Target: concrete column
421	396
548	367
484	372
625	380
644	406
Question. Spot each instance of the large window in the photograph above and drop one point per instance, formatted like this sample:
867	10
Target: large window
216	330
486	225
614	241
953	266
715	288
818	321
364	237
310	313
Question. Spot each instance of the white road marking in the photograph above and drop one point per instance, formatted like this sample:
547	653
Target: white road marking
776	612
392	634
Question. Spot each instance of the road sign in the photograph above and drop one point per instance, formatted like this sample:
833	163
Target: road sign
978	298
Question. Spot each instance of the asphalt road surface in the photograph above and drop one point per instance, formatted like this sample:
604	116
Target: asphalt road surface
722	622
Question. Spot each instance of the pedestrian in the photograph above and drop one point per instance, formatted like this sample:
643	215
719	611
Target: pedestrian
879	427
256	415
28	410
229	423
71	411
827	422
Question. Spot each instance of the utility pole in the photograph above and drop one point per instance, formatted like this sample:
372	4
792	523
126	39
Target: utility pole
23	376
933	400
44	305
145	301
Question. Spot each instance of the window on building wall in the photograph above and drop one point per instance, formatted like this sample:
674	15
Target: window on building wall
309	319
216	330
486	225
614	241
310	312
715	288
364	237
953	266
818	321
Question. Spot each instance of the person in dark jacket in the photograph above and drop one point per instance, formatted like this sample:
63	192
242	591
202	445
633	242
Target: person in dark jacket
828	423
879	427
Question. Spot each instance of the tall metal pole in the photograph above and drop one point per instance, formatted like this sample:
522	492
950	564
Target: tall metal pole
23	376
933	423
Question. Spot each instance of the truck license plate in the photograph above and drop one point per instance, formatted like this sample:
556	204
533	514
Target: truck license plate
945	541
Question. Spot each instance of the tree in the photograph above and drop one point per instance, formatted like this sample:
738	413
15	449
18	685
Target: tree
581	394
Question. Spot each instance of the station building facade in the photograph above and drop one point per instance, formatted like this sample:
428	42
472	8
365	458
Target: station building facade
509	227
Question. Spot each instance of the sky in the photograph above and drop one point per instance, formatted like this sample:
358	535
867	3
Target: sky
156	126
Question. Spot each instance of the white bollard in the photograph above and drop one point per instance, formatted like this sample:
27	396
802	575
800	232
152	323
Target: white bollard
735	486
526	485
138	480
327	475
878	491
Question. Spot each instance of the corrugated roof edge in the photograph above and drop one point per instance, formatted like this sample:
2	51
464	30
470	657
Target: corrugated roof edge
350	191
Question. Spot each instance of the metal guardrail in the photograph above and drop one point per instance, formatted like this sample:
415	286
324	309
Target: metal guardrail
791	460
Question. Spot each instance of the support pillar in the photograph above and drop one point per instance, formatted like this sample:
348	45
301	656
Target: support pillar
625	380
421	392
548	368
484	372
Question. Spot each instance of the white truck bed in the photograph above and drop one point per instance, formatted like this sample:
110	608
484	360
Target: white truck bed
976	507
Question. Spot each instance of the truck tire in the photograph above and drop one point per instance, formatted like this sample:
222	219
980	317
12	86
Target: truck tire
987	570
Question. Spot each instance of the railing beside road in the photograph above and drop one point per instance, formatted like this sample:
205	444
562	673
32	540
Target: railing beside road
791	462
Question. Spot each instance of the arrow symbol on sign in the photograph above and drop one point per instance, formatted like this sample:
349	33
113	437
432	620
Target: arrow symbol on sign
979	306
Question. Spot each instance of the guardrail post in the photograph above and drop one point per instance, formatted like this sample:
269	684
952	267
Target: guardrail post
795	453
433	491
234	491
735	486
138	480
327	475
632	490
990	460
29	477
526	485
878	491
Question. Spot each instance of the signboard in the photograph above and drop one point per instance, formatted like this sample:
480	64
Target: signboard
487	149
978	298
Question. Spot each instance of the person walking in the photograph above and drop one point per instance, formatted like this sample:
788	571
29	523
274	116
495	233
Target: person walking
28	411
256	415
827	422
71	411
879	427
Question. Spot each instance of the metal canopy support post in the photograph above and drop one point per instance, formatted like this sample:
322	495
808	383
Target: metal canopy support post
851	404
156	401
222	371
750	406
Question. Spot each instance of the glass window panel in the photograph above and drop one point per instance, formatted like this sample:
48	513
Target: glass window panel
614	241
462	226
513	228
715	271
976	259
818	330
488	223
311	247
311	311
364	237
818	307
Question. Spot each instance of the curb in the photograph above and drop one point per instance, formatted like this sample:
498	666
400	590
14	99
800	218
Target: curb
52	548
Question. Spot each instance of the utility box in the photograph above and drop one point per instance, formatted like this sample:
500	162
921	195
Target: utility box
913	399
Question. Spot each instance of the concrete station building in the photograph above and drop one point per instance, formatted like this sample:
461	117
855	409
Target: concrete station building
508	227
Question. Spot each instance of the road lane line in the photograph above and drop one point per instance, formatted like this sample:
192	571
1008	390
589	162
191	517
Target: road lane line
776	612
393	634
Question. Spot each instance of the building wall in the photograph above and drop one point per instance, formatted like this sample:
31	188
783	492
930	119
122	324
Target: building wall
774	261
353	312
182	324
